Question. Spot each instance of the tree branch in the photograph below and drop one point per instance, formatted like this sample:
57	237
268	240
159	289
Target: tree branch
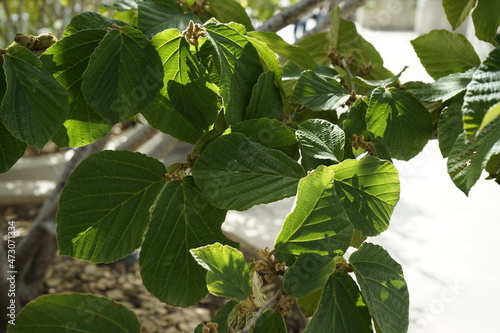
290	15
248	327
347	8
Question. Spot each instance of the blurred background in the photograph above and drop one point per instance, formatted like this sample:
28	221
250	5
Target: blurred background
446	242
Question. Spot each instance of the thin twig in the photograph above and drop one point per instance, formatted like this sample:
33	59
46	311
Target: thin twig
248	327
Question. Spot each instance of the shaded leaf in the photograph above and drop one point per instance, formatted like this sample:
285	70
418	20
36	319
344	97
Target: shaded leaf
450	125
270	133
123	76
308	274
230	11
368	189
228	274
104	207
187	103
90	20
321	139
181	219
67	60
240	68
383	287
75	312
35	105
442	52
401	121
318	223
157	16
341	308
11	149
379	83
317	93
270	322
457	11
236	173
266	99
309	303
486	17
482	92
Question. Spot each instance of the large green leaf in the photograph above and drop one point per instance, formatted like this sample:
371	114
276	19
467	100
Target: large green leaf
309	303
457	11
482	92
321	139
450	125
444	52
270	322
3	83
35	105
240	68
67	60
230	11
369	190
11	149
486	17
266	99
308	274
401	122
342	309
228	274
123	76
317	93
158	15
90	20
237	173
187	104
292	53
468	158
318	222
355	122
269	133
104	207
445	87
181	219
383	287
74	313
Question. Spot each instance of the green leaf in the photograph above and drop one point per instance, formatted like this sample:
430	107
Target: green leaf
121	5
181	219
309	303
67	60
467	159
187	103
482	92
444	52
104	207
444	88
230	11
368	189
240	68
292	53
486	17
341	308
450	125
270	133
156	16
3	83
35	105
383	287
221	318
237	173
11	149
321	139
379	83
228	274
490	116
75	312
355	122
308	274
457	11
318	222
90	20
270	322
317	93
123	76
401	121
266	99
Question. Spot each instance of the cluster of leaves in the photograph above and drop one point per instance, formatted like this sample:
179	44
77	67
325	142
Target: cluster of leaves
323	126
